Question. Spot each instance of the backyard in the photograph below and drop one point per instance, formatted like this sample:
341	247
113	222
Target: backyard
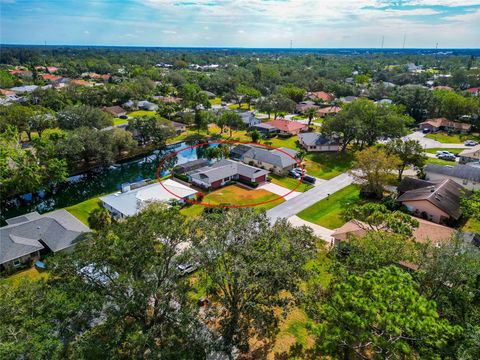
234	195
328	212
83	210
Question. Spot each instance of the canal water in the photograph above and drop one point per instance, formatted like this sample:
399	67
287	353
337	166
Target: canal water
99	182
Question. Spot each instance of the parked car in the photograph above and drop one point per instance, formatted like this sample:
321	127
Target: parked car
447	157
309	179
470	143
444	153
426	131
186	269
294	174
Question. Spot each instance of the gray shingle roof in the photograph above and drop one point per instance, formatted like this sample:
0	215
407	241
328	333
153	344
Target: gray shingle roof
459	171
58	230
226	168
273	157
316	139
445	196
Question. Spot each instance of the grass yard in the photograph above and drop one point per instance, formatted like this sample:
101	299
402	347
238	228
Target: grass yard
453	138
277	142
118	121
234	195
289	183
328	212
216	101
82	210
472	225
30	274
242	106
436	161
143	113
327	165
452	150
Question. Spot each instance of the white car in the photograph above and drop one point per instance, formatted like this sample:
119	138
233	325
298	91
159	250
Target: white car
444	153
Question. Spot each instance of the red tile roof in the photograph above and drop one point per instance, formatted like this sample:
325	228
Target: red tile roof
447	123
81	82
50	77
474	90
287	125
322	95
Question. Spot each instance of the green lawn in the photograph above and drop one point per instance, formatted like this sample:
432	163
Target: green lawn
452	138
118	121
143	113
30	274
216	101
472	225
452	150
289	183
436	161
234	195
242	106
277	142
82	210
327	165
328	212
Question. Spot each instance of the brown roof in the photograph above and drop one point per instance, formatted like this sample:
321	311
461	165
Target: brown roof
7	92
50	77
329	110
410	183
114	110
287	125
425	232
447	123
445	196
322	95
81	82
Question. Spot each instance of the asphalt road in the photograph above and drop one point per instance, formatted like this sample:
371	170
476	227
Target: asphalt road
304	200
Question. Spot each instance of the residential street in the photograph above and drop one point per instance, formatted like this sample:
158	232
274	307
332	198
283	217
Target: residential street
294	206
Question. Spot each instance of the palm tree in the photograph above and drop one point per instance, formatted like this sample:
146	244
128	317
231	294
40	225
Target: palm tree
311	113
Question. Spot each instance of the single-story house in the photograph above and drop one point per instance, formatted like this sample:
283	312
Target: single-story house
249	118
115	111
129	202
147	105
317	142
464	175
329	110
288	126
272	160
435	125
191	166
29	236
52	69
82	82
410	183
438	203
168	99
320	95
265	128
223	171
426	232
302	107
50	77
470	155
179	127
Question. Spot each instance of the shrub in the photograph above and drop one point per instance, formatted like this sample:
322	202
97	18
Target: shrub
252	184
181	177
200	196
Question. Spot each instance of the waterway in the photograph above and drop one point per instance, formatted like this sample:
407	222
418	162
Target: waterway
99	182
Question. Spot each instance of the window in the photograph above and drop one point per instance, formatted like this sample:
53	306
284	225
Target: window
16	262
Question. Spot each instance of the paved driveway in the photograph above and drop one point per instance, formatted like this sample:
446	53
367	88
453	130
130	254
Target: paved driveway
279	190
322	232
304	200
430	143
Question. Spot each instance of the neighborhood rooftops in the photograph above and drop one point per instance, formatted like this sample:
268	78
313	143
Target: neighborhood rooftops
466	172
287	125
442	122
444	195
130	202
32	232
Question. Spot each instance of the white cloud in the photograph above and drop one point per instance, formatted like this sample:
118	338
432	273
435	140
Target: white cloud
169	32
86	32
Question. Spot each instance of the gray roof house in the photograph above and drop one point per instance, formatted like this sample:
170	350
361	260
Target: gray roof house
223	171
147	105
249	118
25	236
465	175
265	128
317	142
273	160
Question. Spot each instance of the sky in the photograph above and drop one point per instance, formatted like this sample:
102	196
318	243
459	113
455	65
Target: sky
243	23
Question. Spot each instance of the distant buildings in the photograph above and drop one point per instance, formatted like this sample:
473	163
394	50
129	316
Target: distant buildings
464	175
